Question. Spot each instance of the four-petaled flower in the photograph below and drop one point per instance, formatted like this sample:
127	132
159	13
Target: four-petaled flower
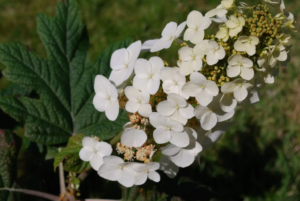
169	34
196	25
235	25
238	65
94	151
145	171
238	87
147	74
133	136
176	108
122	62
246	43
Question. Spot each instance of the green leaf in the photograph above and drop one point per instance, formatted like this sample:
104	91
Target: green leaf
71	153
15	90
63	81
8	170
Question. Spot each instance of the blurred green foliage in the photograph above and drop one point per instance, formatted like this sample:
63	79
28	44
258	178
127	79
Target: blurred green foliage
257	159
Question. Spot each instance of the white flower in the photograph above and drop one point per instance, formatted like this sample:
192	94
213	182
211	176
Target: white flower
223	33
176	108
168	130
191	59
146	170
235	25
115	169
147	45
270	2
147	74
169	168
132	136
228	102
122	62
204	90
172	81
238	65
219	11
196	25
278	53
184	157
213	51
267	75
238	87
169	34
246	43
138	101
227	4
94	151
106	97
208	138
211	114
284	39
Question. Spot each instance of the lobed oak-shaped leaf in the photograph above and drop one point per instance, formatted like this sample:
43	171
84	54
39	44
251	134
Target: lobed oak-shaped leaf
63	81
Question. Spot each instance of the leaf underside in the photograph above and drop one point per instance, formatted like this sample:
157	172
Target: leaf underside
63	81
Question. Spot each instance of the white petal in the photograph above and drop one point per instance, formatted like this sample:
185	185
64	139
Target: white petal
169	29
152	166
89	142
190	89
166	108
239	46
170	150
156	120
211	88
247	73
126	177
240	93
140	83
101	84
183	159
133	137
153	85
119	59
166	72
233	71
161	135
228	87
169	168
86	153
100	102
142	66
177	99
96	161
132	93
187	112
154	176
112	110
204	98
225	116
145	110
163	43
200	111
180	139
180	29
148	44
251	49
109	172
104	148
211	58
132	106
140	178
208	120
134	50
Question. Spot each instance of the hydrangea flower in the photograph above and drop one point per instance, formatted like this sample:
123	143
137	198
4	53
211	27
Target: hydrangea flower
94	151
228	102
184	156
211	114
169	34
169	168
133	136
122	62
213	51
106	97
176	108
138	101
238	87
191	59
238	65
115	169
196	25
172	81
147	74
235	25
145	171
246	43
204	90
168	130
278	53
223	33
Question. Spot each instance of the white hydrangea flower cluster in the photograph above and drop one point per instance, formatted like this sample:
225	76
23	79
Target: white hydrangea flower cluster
176	112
